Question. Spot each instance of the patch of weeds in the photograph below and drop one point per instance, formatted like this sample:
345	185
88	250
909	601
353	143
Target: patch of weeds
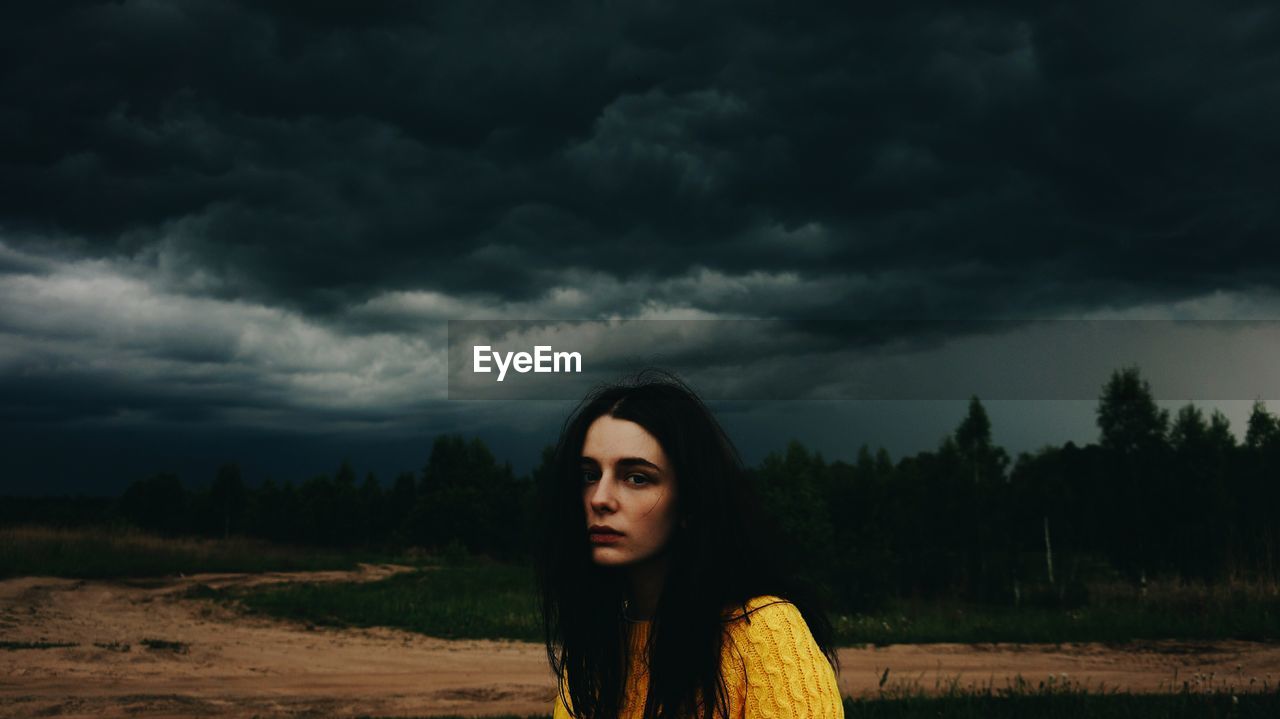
166	645
455	554
479	600
113	646
203	591
145	582
460	717
14	646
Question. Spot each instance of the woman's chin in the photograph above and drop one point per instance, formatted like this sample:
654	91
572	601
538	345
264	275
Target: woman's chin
608	556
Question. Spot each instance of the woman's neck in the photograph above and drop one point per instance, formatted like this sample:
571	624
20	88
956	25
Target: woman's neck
645	587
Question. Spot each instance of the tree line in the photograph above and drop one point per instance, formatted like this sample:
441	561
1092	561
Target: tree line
461	496
1154	495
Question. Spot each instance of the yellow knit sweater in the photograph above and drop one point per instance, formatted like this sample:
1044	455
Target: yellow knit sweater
771	665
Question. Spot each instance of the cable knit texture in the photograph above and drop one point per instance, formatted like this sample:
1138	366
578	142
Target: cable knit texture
771	665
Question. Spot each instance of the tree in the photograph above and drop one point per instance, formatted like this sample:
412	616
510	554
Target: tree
865	468
1220	436
345	529
228	497
1258	492
1198	501
1264	429
974	433
346	475
884	465
1133	436
791	485
1189	432
157	503
266	515
858	572
1127	414
370	523
983	460
467	496
399	507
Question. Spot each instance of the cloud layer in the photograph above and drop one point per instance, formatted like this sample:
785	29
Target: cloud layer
258	215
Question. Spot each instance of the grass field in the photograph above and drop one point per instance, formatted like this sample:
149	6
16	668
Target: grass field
1055	703
1117	612
459	597
482	600
15	646
1068	705
121	552
477	599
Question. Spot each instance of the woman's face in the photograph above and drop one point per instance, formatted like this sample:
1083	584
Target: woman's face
628	490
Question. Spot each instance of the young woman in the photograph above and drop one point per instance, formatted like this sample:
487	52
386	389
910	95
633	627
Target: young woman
659	594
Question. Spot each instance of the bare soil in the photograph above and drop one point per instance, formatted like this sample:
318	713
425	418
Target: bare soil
145	649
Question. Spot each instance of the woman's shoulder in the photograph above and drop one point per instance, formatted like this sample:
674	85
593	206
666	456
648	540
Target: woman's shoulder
763	616
778	667
744	609
772	629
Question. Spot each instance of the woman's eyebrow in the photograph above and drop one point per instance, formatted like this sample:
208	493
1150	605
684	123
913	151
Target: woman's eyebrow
639	461
627	461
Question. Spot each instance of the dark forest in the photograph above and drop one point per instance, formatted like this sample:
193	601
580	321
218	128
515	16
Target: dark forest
1154	496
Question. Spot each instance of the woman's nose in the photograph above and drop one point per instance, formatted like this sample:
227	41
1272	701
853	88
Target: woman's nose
603	496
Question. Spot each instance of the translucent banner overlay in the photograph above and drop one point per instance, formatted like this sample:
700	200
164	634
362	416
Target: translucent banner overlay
867	359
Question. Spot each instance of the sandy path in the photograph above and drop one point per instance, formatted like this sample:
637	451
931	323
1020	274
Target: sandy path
246	666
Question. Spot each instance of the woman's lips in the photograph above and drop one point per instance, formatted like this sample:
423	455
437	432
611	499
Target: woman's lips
604	536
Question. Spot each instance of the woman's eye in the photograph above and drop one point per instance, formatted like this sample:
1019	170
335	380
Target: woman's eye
589	477
637	479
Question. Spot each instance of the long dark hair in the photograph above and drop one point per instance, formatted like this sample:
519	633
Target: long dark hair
718	558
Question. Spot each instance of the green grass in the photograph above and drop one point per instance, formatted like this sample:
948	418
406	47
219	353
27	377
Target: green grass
475	600
1117	613
121	647
495	601
164	645
14	646
114	552
471	599
1052	703
967	625
1068	705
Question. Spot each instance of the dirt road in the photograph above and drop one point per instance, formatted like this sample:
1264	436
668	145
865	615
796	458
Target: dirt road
202	659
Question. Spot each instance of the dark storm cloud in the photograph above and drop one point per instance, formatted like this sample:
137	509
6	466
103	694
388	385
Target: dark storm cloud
318	155
259	214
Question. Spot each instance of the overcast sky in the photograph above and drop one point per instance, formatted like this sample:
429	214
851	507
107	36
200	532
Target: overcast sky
235	231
